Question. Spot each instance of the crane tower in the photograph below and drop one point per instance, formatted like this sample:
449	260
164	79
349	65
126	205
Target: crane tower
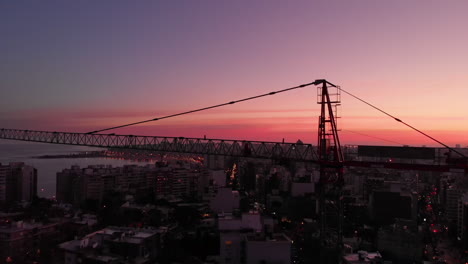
330	157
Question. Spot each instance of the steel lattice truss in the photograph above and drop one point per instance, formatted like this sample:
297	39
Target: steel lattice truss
200	146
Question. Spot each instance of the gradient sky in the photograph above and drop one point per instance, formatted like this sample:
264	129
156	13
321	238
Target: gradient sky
84	65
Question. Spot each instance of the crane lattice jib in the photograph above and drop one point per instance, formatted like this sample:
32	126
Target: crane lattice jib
204	146
200	146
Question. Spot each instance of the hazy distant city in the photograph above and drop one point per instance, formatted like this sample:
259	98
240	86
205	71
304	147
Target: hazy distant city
175	208
233	132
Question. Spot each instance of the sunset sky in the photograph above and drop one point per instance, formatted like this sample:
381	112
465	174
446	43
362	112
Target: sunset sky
85	65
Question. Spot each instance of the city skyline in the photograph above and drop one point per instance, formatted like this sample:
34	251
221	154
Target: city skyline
84	66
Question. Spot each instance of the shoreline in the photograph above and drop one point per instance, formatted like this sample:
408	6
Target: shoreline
139	156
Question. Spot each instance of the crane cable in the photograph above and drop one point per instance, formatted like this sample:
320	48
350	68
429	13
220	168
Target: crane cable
273	93
205	108
401	121
370	136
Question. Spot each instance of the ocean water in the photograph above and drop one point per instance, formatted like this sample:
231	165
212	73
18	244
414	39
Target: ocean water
17	151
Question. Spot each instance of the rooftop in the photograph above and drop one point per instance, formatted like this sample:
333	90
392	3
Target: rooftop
362	256
279	237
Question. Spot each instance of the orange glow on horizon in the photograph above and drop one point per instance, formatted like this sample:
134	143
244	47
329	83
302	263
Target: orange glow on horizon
267	125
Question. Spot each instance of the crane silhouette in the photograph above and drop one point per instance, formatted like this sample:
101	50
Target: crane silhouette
328	154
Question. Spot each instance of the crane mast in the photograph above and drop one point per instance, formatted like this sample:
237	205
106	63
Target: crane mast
331	161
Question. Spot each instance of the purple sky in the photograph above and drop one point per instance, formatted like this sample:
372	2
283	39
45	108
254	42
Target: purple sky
85	65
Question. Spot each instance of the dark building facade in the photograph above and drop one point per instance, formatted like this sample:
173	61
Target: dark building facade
18	182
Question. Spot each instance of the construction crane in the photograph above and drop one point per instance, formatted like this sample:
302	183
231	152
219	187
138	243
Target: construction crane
328	155
331	161
198	146
206	146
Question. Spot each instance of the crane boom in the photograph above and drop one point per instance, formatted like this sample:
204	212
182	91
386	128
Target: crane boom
201	146
205	146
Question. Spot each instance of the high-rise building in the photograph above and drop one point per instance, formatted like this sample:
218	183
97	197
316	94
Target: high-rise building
453	195
76	185
250	239
269	249
462	221
233	231
226	200
382	204
18	182
23	239
247	176
401	242
4	172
